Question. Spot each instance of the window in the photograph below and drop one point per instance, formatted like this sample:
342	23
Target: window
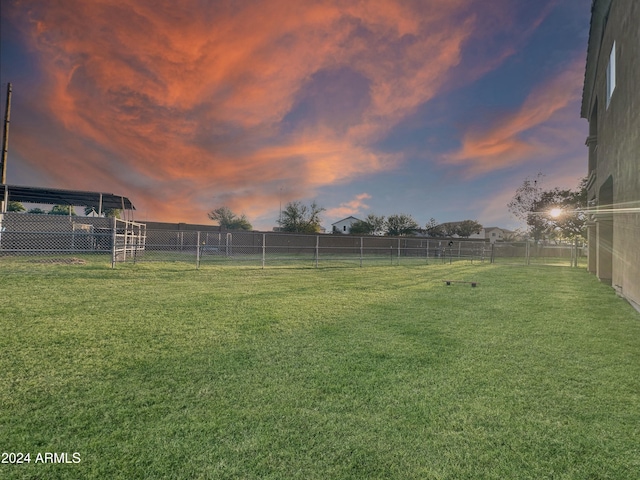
344	228
611	74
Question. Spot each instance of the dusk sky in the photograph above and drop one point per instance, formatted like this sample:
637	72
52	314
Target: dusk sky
433	108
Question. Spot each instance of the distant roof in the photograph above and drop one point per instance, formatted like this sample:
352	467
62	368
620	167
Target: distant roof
339	221
52	196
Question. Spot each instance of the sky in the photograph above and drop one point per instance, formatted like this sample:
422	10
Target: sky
431	108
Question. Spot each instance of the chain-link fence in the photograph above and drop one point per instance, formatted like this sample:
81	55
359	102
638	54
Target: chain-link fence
23	234
31	234
532	253
120	241
270	248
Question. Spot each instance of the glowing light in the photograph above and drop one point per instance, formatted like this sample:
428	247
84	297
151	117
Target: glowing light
555	212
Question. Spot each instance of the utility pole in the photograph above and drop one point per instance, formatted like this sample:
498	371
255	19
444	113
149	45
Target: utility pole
280	215
5	148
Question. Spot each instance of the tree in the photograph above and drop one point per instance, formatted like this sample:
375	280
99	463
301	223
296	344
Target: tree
229	220
15	207
62	210
299	218
466	228
360	227
434	229
524	206
372	225
400	225
36	210
569	219
533	205
449	229
107	212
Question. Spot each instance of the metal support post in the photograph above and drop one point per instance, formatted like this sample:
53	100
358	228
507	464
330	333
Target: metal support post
198	250
113	242
427	255
5	147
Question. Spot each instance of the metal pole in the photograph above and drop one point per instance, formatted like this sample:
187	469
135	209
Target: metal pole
427	252
5	199
280	215
317	249
126	240
113	243
264	247
5	149
135	237
198	249
398	251
361	249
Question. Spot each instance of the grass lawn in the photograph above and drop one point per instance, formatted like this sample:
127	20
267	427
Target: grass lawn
164	371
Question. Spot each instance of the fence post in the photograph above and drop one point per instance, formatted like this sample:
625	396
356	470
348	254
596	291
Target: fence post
113	242
134	236
126	242
317	249
361	249
198	249
398	251
264	247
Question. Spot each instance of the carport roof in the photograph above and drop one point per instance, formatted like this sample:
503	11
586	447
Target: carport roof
53	196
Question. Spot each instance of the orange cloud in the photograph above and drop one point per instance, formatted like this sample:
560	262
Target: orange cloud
521	135
352	207
187	105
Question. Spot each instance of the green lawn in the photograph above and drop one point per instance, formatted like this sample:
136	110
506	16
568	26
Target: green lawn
164	371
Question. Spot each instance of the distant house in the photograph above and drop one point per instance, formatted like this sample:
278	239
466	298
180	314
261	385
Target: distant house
344	226
611	105
493	234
